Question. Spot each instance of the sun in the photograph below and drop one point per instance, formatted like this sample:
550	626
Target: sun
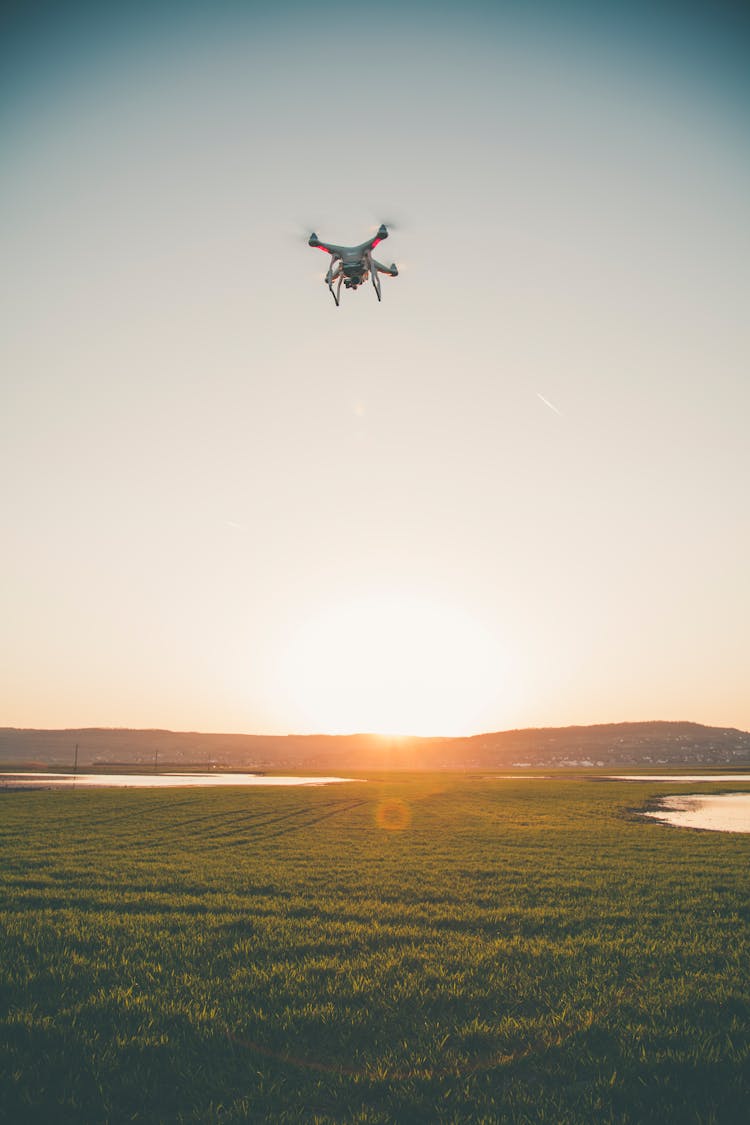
393	663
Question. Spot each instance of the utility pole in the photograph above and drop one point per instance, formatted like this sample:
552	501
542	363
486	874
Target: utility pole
156	759
75	763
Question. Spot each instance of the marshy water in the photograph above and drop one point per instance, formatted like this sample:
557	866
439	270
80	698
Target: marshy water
723	812
24	780
679	778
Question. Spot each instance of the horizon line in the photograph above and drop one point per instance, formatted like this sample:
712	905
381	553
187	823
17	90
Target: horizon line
391	736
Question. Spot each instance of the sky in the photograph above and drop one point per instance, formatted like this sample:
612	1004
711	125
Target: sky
514	493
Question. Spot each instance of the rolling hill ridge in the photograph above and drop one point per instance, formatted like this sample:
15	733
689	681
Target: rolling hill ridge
604	745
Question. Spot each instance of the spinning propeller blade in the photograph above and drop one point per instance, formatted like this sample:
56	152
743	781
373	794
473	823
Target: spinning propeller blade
393	223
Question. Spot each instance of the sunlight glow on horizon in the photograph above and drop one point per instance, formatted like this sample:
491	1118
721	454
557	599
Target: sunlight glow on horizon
394	664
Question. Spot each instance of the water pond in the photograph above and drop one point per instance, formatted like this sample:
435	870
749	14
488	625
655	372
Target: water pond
725	812
678	778
28	780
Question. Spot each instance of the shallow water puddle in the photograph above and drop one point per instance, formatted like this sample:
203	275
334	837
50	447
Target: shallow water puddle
725	812
678	778
152	780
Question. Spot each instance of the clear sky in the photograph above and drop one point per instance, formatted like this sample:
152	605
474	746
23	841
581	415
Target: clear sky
515	493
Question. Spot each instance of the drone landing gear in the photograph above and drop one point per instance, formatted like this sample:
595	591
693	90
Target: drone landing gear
334	273
337	294
375	280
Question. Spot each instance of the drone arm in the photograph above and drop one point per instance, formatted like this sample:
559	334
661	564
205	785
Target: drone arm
318	245
380	268
381	235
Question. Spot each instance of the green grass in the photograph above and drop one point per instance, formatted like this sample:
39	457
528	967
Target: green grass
521	951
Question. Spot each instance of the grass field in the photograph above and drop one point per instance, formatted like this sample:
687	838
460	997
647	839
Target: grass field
412	949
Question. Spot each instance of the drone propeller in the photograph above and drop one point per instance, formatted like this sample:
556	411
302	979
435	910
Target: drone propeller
375	227
300	232
392	223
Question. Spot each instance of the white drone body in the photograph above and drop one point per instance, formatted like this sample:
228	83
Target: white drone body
353	264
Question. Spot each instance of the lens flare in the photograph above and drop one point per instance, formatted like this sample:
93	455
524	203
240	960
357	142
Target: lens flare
393	815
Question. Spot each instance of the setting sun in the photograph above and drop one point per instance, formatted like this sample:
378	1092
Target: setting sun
394	663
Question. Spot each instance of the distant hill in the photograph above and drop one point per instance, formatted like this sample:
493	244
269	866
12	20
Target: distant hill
606	745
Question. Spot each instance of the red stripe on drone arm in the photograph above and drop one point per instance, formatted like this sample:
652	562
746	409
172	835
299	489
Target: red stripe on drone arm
325	249
376	242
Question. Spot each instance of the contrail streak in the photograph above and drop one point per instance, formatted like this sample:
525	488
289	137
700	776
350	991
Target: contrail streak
547	402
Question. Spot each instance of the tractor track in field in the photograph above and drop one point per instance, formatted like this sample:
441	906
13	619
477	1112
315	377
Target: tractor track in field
289	829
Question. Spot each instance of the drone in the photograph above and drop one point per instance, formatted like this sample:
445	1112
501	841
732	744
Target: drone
353	264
